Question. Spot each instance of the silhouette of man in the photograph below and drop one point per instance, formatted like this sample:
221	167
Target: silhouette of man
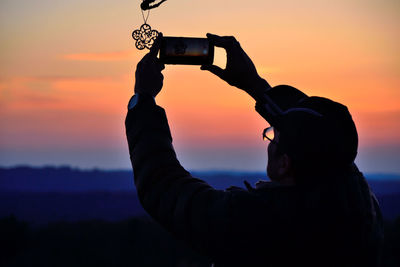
317	210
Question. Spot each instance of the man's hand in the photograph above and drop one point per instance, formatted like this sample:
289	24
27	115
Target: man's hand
149	79
240	70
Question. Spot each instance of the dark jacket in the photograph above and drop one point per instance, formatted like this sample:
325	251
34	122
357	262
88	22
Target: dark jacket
335	224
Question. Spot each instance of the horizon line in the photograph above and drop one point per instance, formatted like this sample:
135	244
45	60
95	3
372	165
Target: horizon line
216	170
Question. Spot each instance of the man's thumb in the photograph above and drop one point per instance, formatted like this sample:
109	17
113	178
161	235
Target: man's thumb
213	69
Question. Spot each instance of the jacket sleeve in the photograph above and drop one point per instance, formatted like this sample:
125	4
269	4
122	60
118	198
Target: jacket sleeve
277	100
188	207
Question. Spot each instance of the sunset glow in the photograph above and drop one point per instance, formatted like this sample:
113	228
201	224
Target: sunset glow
67	73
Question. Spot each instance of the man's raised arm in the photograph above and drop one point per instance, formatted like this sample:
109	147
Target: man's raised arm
241	73
188	207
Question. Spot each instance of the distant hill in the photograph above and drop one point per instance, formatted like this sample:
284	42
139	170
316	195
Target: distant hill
63	179
47	194
67	179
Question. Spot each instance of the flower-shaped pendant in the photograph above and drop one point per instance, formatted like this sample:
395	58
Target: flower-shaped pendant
144	37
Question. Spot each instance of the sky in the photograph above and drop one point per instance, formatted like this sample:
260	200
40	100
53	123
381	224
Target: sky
67	73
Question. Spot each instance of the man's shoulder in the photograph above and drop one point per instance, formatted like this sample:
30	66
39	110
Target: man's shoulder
263	199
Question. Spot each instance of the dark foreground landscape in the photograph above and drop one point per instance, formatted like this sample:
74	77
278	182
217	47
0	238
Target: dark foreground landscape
69	217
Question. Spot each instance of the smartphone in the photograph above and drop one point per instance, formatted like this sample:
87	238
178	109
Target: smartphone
186	51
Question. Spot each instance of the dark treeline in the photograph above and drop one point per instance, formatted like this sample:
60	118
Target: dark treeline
134	242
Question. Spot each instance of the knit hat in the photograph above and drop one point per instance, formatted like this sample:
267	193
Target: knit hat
316	132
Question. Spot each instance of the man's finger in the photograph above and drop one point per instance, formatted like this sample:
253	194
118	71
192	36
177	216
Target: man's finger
214	69
248	186
156	46
222	41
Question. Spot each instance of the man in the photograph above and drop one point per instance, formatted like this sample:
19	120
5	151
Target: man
317	210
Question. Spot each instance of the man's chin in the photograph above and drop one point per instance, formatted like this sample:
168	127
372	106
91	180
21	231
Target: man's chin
271	175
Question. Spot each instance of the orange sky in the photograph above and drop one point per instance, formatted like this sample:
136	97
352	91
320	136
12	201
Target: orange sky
66	74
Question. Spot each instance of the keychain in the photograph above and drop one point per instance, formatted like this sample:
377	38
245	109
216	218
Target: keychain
145	36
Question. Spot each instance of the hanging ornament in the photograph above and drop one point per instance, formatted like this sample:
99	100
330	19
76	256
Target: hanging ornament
145	36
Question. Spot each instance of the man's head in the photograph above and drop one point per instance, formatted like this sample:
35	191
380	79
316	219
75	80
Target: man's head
313	136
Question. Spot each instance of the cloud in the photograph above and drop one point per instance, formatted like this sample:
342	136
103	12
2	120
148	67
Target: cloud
108	56
52	93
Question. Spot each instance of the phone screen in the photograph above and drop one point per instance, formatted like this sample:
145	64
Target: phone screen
186	51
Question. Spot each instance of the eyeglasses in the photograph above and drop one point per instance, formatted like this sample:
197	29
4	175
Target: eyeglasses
269	134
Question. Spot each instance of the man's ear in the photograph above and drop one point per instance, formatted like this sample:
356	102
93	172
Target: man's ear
285	165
